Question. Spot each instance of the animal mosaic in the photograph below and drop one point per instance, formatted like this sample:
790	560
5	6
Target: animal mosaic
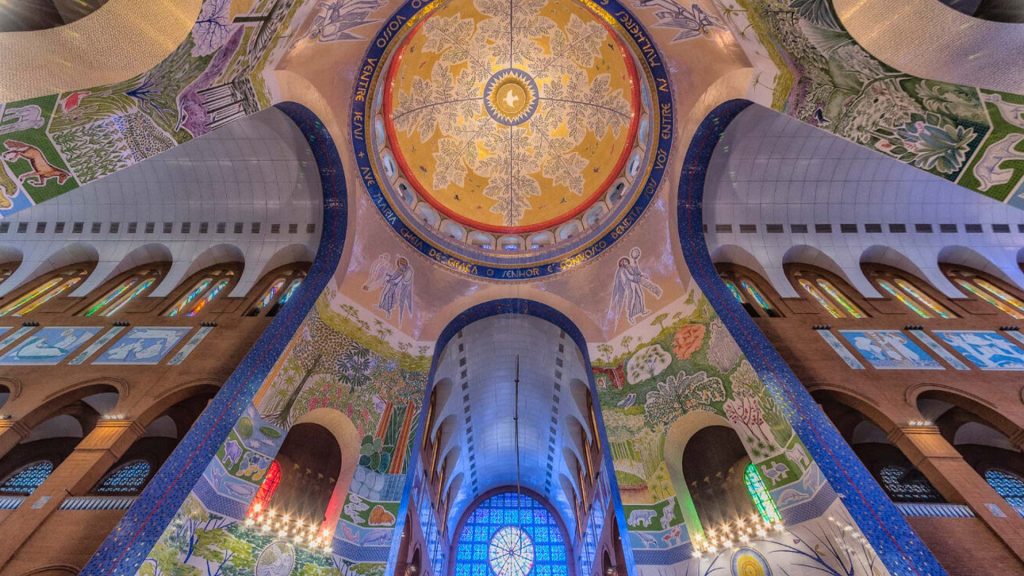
41	168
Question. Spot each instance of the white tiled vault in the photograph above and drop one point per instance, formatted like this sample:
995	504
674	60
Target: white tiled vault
476	403
775	186
248	193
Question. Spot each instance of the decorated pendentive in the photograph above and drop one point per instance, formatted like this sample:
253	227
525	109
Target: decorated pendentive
512	139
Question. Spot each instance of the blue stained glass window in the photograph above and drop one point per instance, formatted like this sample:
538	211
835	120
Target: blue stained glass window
906	486
27	478
509	535
1008	485
127	479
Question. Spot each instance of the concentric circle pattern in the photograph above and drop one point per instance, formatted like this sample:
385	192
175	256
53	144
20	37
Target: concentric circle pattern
510	134
510	552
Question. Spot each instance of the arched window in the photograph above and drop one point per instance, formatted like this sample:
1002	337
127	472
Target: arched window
904	485
129	289
26	479
828	296
760	496
910	295
278	293
1008	485
746	292
5	272
129	478
211	285
511	535
988	291
58	284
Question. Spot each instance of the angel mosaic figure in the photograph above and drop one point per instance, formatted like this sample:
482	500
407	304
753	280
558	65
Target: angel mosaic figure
630	286
395	282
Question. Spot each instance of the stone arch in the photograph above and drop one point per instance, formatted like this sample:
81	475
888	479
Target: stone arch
964	257
870	435
51	404
809	257
159	406
72	255
737	256
676	439
345	433
178	278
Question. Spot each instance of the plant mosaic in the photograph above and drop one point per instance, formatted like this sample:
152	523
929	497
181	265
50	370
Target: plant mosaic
335	362
682	362
966	135
53	144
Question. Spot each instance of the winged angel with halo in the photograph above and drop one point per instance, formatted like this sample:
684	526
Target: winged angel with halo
631	283
395	284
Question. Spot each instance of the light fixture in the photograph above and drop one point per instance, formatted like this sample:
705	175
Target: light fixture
731	535
300	531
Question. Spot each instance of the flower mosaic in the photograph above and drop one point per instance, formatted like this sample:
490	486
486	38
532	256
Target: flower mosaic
506	138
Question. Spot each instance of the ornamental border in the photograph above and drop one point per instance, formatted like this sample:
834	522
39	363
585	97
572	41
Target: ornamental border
661	94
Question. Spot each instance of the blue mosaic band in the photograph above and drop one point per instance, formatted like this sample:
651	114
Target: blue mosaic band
878	519
125	549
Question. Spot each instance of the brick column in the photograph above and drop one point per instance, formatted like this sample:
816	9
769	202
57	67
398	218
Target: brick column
11	433
75	476
959	483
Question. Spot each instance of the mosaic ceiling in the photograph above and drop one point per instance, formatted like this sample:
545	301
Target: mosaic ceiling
510	136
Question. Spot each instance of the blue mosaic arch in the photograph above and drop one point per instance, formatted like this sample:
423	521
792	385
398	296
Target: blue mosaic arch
892	538
536	310
126	547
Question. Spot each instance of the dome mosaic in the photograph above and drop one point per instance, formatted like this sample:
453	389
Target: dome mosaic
511	139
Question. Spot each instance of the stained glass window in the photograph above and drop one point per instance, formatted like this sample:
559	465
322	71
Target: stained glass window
509	535
43	293
201	294
278	294
266	492
821	299
919	295
989	292
1008	485
760	496
904	486
848	306
210	296
757	296
129	478
124	293
735	291
25	480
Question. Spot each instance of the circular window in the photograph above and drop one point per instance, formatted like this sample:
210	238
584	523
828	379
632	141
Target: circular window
511	139
510	552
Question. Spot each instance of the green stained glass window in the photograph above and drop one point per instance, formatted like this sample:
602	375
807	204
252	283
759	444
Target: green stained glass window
760	496
847	305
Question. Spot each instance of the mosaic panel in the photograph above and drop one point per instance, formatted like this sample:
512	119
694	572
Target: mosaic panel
143	345
49	345
985	349
890	350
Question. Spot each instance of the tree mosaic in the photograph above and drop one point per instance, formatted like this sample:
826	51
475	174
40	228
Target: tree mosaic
686	362
966	135
339	362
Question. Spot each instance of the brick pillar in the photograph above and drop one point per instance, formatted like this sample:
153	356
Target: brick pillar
959	483
75	476
11	433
